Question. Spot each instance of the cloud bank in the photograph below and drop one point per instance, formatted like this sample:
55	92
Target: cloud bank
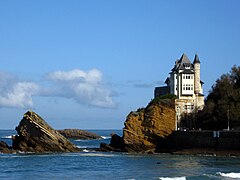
84	87
16	93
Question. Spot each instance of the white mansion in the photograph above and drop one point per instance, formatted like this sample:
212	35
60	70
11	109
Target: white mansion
185	83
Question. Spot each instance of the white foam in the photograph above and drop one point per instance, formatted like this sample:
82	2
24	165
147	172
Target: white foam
7	137
86	147
83	140
106	137
230	175
172	178
96	155
85	150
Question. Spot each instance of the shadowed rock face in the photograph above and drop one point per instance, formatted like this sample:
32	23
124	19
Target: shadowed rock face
4	148
35	135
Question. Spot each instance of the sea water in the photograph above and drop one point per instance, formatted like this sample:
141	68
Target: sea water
90	164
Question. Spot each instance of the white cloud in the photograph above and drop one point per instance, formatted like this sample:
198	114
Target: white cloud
92	76
85	87
15	93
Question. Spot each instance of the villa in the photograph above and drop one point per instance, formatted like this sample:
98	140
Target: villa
184	82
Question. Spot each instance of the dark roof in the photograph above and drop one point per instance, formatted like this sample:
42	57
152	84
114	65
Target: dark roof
196	59
187	71
184	59
183	63
167	80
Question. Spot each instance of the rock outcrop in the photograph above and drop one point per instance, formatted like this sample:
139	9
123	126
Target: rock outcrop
4	148
116	144
78	134
146	128
35	135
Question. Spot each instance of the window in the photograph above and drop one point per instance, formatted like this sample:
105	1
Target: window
191	87
187	76
187	87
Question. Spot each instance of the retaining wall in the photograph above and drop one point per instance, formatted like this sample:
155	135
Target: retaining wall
218	140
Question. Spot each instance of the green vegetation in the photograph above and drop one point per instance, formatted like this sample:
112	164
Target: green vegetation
167	100
222	103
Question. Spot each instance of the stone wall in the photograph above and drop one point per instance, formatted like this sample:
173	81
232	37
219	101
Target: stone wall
218	140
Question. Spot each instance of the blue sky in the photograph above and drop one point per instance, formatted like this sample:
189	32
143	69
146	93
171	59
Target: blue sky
87	64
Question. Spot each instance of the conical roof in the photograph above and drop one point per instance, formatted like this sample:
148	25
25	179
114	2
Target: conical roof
184	59
196	59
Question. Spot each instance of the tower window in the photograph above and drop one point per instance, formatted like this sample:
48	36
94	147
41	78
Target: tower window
187	87
187	76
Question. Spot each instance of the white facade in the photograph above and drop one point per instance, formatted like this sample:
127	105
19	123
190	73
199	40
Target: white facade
185	83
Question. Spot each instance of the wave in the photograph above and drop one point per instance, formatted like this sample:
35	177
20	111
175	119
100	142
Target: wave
93	154
106	137
172	178
85	150
82	140
230	175
86	147
89	140
7	137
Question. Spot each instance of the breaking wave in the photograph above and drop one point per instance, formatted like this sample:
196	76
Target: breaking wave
172	178
106	137
7	137
86	147
232	175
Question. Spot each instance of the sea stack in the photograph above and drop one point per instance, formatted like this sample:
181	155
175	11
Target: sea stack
35	135
145	128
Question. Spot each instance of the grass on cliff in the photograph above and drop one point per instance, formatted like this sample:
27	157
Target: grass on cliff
167	100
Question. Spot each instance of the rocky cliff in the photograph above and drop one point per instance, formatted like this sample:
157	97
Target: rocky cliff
146	128
35	135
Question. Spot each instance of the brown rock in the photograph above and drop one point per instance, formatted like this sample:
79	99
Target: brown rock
78	134
35	135
4	148
146	127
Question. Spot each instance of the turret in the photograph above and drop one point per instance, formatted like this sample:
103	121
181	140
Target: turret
197	84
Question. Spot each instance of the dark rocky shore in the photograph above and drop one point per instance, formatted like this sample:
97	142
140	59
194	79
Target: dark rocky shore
147	130
78	134
35	135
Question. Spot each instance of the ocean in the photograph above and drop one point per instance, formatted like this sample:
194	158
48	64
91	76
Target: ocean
94	165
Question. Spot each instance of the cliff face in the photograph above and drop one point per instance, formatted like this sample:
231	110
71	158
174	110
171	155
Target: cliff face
35	135
147	127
